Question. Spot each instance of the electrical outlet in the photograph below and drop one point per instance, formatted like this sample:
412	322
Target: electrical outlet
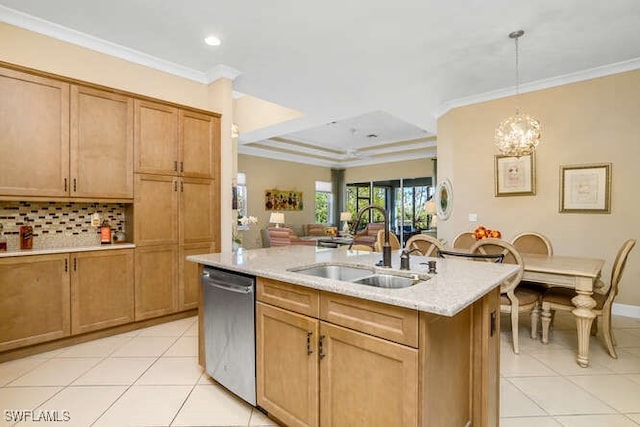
473	217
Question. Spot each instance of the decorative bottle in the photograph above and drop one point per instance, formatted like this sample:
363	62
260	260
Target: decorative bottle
3	240
105	233
26	235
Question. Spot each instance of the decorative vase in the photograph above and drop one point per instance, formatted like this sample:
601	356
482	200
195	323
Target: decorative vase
235	246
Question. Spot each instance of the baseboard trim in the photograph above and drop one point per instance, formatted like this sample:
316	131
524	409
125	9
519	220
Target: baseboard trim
626	310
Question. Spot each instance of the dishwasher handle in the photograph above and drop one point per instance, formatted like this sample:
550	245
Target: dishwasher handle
231	287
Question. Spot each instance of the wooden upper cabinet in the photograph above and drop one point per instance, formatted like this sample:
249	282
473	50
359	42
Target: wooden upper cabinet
34	135
101	144
172	141
156	210
198	136
156	138
196	216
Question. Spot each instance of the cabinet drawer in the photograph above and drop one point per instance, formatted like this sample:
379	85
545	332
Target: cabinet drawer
291	297
382	320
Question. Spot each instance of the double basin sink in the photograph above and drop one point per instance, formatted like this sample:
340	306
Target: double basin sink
360	275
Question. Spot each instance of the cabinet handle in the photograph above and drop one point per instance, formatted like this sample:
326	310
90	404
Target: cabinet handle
175	186
309	351
65	185
181	166
492	323
175	166
75	264
321	345
182	186
66	265
74	185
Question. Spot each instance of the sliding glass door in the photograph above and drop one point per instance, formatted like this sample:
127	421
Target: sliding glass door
404	199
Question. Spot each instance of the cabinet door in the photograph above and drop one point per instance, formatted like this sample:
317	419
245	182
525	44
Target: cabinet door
197	210
101	289
101	144
34	135
198	139
155	209
365	380
156	138
486	360
287	365
34	300
156	284
189	273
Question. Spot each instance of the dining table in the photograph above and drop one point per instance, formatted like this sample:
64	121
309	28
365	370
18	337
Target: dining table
580	274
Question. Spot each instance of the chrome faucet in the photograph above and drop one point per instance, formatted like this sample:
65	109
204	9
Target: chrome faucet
404	258
386	247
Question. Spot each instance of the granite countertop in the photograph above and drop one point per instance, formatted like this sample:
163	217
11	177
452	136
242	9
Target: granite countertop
455	286
48	251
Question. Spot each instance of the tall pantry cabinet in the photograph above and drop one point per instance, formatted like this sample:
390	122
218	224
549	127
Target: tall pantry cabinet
176	203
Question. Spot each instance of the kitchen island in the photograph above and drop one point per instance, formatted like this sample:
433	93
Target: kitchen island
331	352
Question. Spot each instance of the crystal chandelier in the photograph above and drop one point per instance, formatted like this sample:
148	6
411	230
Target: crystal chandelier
518	135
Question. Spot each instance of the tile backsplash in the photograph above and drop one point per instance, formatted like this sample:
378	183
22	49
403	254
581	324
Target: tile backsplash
58	224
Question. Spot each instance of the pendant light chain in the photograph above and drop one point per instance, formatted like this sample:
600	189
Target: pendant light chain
517	78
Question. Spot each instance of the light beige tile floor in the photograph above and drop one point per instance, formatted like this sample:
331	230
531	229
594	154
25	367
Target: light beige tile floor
151	377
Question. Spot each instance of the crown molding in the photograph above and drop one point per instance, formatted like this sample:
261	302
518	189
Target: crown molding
221	71
592	73
40	26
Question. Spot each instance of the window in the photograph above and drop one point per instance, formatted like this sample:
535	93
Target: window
404	199
324	203
241	194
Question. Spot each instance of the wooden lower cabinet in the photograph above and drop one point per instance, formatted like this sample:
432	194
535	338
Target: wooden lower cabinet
365	380
101	289
312	373
287	365
342	369
156	283
34	300
189	273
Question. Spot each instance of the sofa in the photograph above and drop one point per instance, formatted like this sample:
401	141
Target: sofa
282	236
317	230
369	234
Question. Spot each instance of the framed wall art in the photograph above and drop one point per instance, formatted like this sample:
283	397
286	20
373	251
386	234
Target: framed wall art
585	188
283	200
515	176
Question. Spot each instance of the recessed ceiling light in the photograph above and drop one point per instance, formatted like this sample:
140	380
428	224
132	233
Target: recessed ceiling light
212	41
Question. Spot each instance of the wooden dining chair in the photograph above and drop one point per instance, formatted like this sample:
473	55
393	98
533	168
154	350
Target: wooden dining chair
560	299
463	240
427	245
532	243
393	241
513	299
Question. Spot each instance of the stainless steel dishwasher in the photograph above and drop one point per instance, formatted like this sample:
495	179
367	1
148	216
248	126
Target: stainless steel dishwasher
229	330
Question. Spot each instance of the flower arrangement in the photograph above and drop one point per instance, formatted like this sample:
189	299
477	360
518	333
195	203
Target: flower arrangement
483	232
243	221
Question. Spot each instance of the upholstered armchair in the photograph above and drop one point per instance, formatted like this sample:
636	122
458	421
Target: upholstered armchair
316	230
369	234
283	236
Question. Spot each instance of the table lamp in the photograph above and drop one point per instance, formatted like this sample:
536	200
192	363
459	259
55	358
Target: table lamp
276	218
345	217
430	210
